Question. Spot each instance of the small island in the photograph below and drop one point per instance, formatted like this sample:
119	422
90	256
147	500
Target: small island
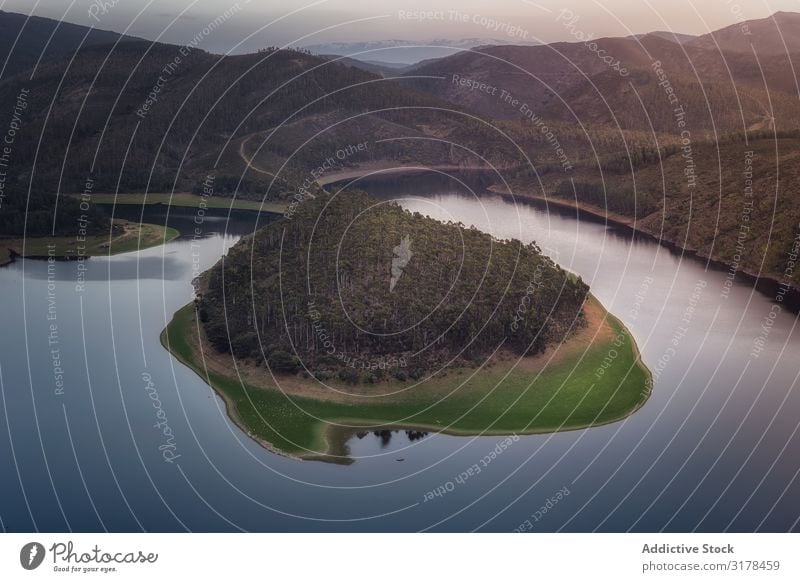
353	314
124	236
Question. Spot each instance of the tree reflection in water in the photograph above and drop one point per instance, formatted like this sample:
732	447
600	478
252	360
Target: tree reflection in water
385	436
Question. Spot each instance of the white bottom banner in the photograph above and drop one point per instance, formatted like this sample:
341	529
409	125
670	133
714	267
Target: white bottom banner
401	557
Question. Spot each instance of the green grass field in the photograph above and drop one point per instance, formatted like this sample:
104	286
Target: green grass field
563	396
188	200
134	236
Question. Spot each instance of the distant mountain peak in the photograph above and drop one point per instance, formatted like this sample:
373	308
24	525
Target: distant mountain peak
407	52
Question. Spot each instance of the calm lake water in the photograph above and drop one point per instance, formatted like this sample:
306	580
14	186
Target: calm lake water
715	448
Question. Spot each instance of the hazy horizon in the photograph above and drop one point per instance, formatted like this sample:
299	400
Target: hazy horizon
247	25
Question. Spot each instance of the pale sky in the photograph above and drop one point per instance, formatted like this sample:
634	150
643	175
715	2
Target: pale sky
307	22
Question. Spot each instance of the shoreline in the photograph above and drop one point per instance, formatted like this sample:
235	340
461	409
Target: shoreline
186	200
229	404
230	407
620	220
335	436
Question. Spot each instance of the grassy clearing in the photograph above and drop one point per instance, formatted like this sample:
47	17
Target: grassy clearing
132	236
188	200
301	419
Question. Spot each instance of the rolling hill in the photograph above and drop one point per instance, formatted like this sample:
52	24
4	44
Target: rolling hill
161	117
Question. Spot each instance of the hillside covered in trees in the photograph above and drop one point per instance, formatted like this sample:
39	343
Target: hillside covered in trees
734	200
138	116
38	213
360	288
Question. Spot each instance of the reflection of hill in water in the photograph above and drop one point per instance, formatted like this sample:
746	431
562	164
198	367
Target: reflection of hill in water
185	219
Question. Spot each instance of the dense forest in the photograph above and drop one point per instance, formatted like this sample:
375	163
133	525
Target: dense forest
358	287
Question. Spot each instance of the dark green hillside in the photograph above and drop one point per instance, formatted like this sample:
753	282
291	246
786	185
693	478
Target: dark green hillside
154	116
744	210
334	284
735	201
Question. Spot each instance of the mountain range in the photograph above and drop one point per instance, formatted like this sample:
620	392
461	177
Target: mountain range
626	83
